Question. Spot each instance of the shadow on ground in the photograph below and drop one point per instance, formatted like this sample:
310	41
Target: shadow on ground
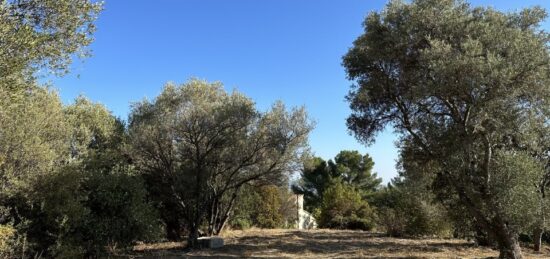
327	244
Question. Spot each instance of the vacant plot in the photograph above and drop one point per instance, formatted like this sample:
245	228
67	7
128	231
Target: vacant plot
262	243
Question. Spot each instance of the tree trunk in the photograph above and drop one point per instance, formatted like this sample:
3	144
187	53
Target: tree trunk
496	228
537	236
193	238
511	251
219	214
213	217
225	216
507	241
539	229
221	224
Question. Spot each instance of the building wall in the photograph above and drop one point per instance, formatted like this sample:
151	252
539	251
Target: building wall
305	219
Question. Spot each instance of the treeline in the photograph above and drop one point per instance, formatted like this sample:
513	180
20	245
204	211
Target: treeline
78	182
344	193
466	88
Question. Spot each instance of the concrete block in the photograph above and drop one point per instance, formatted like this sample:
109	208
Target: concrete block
211	242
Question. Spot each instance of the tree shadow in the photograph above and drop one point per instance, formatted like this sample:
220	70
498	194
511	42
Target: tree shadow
326	244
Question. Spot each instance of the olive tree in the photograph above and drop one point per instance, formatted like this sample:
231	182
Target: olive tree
202	144
467	86
39	34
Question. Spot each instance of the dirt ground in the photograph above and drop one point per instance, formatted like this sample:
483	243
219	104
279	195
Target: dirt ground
282	243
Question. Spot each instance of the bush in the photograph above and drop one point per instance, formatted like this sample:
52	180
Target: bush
343	208
240	224
402	213
93	211
118	213
265	207
268	208
245	208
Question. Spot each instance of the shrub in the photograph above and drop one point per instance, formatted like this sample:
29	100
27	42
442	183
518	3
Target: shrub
245	208
265	206
403	213
343	208
119	214
240	224
93	211
269	215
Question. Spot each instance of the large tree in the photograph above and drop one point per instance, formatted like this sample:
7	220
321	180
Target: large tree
202	144
468	87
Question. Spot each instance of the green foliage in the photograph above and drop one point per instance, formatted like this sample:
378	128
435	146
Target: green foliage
92	126
403	212
349	167
34	142
266	206
42	34
49	226
240	223
67	188
32	146
118	212
344	208
114	196
408	207
97	203
269	207
91	212
460	84
33	138
315	178
516	189
356	170
201	144
245	208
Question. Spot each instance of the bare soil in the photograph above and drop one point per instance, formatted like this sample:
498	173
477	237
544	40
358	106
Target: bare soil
284	243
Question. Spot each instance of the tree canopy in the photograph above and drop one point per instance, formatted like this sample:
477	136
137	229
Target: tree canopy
43	34
204	144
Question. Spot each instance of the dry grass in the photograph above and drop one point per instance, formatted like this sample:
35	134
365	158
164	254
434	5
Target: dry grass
280	243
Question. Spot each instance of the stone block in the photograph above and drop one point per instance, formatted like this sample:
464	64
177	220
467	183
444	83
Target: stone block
211	242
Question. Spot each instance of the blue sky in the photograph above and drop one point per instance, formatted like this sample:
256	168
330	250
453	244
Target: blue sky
287	50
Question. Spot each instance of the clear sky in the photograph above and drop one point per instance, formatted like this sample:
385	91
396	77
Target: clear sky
287	50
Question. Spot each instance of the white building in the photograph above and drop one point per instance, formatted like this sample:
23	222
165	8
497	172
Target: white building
305	219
